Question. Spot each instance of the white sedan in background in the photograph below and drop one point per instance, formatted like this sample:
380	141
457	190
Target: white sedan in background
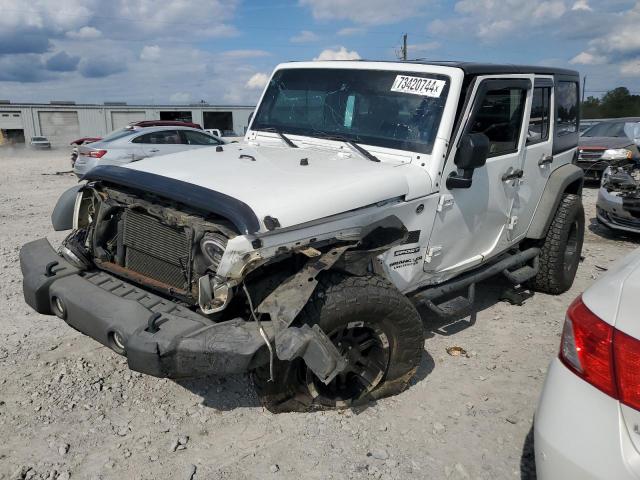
587	425
131	144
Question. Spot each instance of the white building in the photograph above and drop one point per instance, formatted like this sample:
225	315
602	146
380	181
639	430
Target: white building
63	122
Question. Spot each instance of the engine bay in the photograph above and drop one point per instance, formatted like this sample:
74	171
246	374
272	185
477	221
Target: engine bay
624	182
159	245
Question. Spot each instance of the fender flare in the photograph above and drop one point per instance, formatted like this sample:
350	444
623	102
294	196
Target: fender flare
62	215
568	178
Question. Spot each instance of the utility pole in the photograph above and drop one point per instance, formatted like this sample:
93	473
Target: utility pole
404	46
584	85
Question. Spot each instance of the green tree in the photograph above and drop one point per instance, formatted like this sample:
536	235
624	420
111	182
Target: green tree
615	103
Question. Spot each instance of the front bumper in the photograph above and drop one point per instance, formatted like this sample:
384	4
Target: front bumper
579	432
610	212
177	343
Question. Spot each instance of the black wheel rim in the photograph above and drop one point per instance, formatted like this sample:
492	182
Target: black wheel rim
366	348
571	250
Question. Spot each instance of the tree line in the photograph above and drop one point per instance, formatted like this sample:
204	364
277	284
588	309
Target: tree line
618	102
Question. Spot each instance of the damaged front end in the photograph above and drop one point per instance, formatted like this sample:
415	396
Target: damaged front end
618	205
182	291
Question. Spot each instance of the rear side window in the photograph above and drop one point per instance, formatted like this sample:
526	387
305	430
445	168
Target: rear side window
499	117
163	137
540	119
197	138
567	100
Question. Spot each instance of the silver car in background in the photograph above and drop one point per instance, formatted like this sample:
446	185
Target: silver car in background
131	144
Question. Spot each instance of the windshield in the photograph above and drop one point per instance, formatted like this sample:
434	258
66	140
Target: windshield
613	129
116	134
382	108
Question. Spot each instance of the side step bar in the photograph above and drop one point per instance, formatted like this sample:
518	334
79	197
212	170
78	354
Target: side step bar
468	280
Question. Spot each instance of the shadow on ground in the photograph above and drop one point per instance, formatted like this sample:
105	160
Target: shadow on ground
528	459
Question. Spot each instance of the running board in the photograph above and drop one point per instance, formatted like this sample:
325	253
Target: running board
468	280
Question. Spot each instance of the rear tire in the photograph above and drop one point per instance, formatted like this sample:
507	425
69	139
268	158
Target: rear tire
384	331
562	247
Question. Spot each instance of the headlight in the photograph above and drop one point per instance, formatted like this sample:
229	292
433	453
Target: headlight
617	154
605	176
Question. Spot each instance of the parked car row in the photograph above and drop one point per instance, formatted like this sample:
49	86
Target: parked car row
609	143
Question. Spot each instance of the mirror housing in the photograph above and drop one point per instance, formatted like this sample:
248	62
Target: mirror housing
472	153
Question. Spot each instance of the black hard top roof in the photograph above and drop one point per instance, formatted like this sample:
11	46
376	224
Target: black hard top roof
472	68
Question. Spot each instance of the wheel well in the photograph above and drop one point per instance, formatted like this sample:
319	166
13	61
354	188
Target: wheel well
575	187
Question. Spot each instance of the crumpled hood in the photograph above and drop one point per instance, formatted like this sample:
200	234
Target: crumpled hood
604	142
272	181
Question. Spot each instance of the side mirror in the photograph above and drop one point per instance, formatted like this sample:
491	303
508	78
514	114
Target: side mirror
472	153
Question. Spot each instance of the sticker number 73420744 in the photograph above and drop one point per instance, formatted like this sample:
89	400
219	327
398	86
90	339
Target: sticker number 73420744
428	87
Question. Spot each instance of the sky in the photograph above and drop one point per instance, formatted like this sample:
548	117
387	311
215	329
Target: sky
223	51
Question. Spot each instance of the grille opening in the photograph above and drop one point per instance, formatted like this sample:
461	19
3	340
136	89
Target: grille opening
156	250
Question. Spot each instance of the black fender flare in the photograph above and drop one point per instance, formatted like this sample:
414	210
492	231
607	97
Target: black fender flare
568	178
62	215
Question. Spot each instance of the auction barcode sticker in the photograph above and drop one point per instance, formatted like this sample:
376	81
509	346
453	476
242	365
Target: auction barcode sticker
428	87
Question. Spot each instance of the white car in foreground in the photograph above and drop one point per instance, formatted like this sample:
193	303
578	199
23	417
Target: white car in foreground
587	425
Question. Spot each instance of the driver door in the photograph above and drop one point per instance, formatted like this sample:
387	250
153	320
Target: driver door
474	223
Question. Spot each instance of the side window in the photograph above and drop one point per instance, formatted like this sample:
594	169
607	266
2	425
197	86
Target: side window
197	138
567	118
499	117
540	119
163	137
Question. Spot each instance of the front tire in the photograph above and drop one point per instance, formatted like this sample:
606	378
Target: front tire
376	327
562	247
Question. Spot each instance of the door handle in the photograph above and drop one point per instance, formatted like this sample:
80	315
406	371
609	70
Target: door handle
513	175
154	150
545	160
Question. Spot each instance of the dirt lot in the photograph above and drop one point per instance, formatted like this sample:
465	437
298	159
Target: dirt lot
70	407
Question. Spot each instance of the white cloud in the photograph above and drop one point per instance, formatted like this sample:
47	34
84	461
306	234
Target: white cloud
180	97
586	58
257	81
630	68
348	31
150	53
366	12
305	36
339	54
582	5
85	33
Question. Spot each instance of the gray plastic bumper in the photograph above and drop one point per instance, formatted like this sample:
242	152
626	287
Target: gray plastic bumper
161	338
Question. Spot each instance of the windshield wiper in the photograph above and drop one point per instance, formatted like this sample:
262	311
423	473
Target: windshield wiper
365	153
286	139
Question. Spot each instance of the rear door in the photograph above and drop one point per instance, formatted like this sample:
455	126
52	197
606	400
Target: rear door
538	160
472	224
160	142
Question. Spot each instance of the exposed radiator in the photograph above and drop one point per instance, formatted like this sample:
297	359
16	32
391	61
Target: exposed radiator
156	250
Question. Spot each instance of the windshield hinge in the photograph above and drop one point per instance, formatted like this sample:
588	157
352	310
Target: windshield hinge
445	201
513	221
432	252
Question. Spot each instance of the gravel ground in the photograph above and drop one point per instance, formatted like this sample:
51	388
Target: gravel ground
70	408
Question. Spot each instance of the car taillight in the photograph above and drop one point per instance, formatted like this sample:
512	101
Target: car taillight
94	153
598	353
586	347
626	352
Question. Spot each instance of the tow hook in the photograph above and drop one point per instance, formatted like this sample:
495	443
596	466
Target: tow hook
48	271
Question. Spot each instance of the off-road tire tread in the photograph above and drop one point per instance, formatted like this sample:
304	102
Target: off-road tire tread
550	277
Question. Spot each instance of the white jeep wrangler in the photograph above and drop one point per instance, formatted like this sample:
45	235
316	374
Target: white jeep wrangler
360	190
